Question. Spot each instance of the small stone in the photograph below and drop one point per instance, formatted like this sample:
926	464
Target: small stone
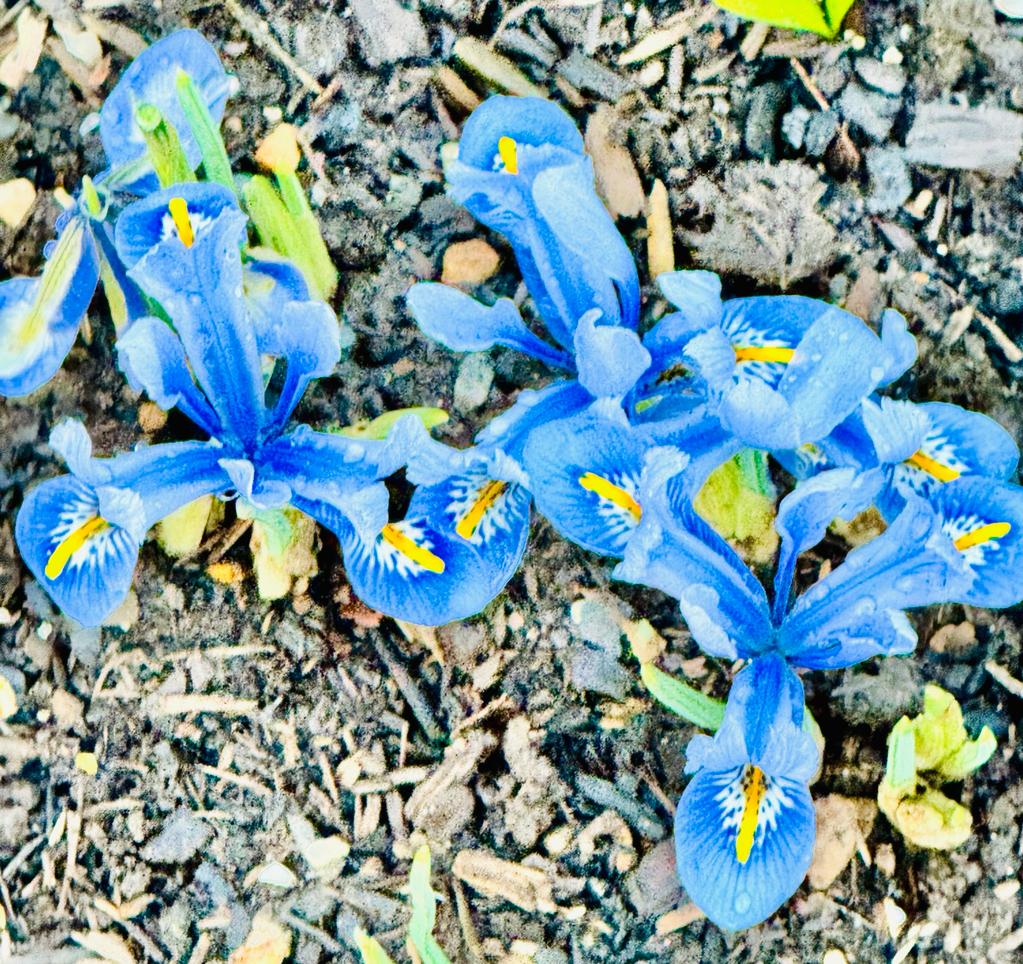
392	32
653	886
793	126
326	856
890	180
892	56
884	859
820	132
886	77
16	199
67	709
870	111
472	386
1007	889
834	956
87	763
182	837
966	138
762	120
839	832
8	699
469	262
954	639
151	417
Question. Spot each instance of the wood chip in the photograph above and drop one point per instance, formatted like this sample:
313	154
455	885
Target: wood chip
659	40
82	44
678	918
754	40
107	945
491	66
21	61
456	90
618	180
525	887
268	942
180	704
660	242
16	199
1004	678
8	699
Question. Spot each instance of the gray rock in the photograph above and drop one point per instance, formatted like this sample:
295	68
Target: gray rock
966	138
820	132
871	112
390	31
762	120
794	124
890	180
890	79
475	376
182	837
1006	296
592	77
86	643
880	699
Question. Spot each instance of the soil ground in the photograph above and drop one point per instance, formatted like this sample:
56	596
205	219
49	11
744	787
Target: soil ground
529	739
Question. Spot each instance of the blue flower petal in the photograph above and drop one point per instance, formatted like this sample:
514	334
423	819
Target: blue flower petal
307	338
80	536
271	281
745	825
529	121
462	323
597	268
610	359
898	344
759	416
153	360
510	430
152	79
39	317
697	297
805	514
674	550
200	285
984	520
144	224
585	474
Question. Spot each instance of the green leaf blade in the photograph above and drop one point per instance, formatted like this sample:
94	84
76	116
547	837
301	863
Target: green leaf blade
682	699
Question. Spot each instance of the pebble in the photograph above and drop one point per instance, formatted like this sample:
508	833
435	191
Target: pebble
593	77
766	105
182	837
820	132
890	180
469	262
886	77
966	138
392	32
872	112
472	386
16	200
793	126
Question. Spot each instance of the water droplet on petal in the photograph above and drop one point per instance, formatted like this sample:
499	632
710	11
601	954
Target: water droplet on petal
742	902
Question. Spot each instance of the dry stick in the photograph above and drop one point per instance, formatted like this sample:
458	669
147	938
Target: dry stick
10	15
465	921
822	102
260	33
413	695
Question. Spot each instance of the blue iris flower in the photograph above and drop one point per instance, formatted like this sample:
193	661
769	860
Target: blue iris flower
80	533
745	825
963	544
919	447
777	372
152	79
40	317
521	170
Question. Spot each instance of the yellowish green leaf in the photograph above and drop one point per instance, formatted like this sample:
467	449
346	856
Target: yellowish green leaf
822	17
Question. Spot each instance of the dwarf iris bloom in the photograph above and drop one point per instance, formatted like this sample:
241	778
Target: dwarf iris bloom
40	317
964	545
80	534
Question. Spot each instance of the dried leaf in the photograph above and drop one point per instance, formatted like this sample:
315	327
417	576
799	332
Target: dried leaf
22	60
268	942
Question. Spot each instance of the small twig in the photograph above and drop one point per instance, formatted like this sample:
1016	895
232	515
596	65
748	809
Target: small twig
181	704
469	934
219	546
822	102
10	15
321	937
260	33
413	695
248	783
1002	676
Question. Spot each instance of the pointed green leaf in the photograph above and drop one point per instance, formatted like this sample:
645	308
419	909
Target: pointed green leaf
370	949
206	132
424	910
824	18
681	698
165	151
309	250
972	755
380	427
900	771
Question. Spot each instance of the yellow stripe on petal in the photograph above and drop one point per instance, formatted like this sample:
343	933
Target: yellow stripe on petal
612	493
993	530
753	789
764	353
71	543
409	548
486	497
509	153
940	471
182	222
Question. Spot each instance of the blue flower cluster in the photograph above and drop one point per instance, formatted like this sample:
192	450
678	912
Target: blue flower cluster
614	451
206	321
